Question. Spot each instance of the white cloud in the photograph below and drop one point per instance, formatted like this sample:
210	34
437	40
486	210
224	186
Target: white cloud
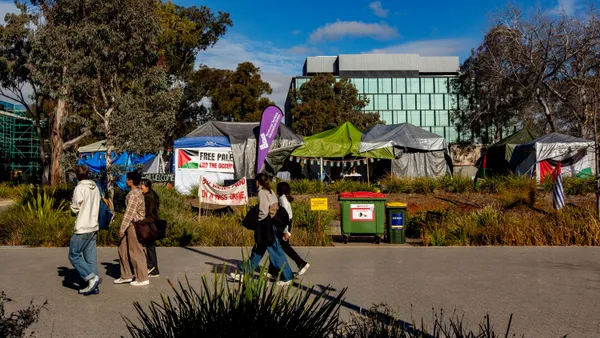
439	47
296	32
5	8
278	65
303	50
339	29
378	9
569	7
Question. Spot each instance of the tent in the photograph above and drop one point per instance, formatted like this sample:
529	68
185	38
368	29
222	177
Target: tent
94	156
539	157
499	154
342	141
417	152
227	150
342	144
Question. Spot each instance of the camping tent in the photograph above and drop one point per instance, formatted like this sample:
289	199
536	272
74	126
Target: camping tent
342	141
417	152
343	144
498	155
94	156
227	150
539	157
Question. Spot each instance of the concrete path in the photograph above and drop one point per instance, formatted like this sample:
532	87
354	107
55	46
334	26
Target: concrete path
551	291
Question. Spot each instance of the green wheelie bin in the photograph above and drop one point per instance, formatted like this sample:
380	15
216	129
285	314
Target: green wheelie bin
396	222
363	214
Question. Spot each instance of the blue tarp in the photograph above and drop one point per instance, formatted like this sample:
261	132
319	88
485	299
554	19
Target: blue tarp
97	163
202	141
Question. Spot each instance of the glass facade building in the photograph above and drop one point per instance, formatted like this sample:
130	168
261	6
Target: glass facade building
400	87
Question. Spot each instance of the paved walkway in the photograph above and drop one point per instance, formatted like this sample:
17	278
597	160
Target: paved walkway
550	291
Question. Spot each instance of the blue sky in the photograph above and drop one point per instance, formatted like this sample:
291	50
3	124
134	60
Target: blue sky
278	35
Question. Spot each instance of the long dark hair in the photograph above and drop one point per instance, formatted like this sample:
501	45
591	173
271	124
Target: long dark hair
283	188
263	180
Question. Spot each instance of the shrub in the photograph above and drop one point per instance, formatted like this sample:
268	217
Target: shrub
250	309
455	184
17	323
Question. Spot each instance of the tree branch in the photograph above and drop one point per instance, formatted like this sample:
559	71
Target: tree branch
74	141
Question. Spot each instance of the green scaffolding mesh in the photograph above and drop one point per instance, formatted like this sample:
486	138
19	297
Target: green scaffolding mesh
18	144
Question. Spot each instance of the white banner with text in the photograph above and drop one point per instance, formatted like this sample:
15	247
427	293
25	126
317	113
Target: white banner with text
212	193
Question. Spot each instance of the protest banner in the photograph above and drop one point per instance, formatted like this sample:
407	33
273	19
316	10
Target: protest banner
206	159
233	195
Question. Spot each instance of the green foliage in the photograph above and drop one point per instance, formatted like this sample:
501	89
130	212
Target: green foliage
323	103
249	309
16	324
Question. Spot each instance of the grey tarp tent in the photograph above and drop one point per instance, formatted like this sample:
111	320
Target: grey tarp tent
417	152
242	137
539	157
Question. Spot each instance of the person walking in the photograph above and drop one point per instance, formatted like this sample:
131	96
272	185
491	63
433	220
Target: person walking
285	198
82	248
152	203
265	238
130	249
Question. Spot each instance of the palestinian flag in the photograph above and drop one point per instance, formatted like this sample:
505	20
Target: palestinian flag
482	170
187	159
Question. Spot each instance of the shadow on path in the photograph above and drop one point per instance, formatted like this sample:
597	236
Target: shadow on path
71	278
389	320
112	269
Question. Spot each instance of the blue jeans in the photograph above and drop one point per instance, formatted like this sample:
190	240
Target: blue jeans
82	254
276	256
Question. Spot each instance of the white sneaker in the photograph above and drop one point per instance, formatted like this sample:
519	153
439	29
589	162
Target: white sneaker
138	283
284	283
237	276
268	275
92	284
303	270
123	281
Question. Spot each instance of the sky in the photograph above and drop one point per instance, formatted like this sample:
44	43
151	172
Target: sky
278	35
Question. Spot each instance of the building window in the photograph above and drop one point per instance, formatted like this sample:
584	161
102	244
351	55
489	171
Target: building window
409	102
395	101
452	135
427	85
371	86
412	86
385	86
381	103
442	118
437	101
441	85
399	117
423	101
371	104
414	117
359	84
399	86
386	116
439	130
451	102
428	118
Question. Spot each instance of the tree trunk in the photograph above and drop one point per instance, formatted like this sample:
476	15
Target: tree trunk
57	142
110	178
547	112
41	152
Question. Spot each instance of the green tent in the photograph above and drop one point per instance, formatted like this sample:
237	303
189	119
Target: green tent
500	153
338	142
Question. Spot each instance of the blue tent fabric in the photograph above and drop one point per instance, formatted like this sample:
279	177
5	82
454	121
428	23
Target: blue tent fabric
97	163
203	141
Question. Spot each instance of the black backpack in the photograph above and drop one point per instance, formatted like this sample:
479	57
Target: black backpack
250	222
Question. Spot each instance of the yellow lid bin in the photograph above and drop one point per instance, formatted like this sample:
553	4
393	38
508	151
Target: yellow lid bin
396	222
396	204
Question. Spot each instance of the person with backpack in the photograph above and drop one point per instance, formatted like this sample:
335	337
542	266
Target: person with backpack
265	236
82	247
283	232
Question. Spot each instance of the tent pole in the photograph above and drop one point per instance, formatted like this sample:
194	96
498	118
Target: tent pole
368	176
321	173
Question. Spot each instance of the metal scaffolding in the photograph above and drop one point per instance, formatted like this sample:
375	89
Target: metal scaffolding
19	142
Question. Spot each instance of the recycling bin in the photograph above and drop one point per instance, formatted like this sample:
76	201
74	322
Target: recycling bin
363	214
396	222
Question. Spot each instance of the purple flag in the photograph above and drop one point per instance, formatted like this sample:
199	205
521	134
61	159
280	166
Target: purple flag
269	124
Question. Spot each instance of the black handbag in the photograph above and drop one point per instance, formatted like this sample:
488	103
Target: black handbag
250	222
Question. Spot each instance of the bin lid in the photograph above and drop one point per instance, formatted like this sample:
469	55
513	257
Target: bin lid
362	194
396	204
